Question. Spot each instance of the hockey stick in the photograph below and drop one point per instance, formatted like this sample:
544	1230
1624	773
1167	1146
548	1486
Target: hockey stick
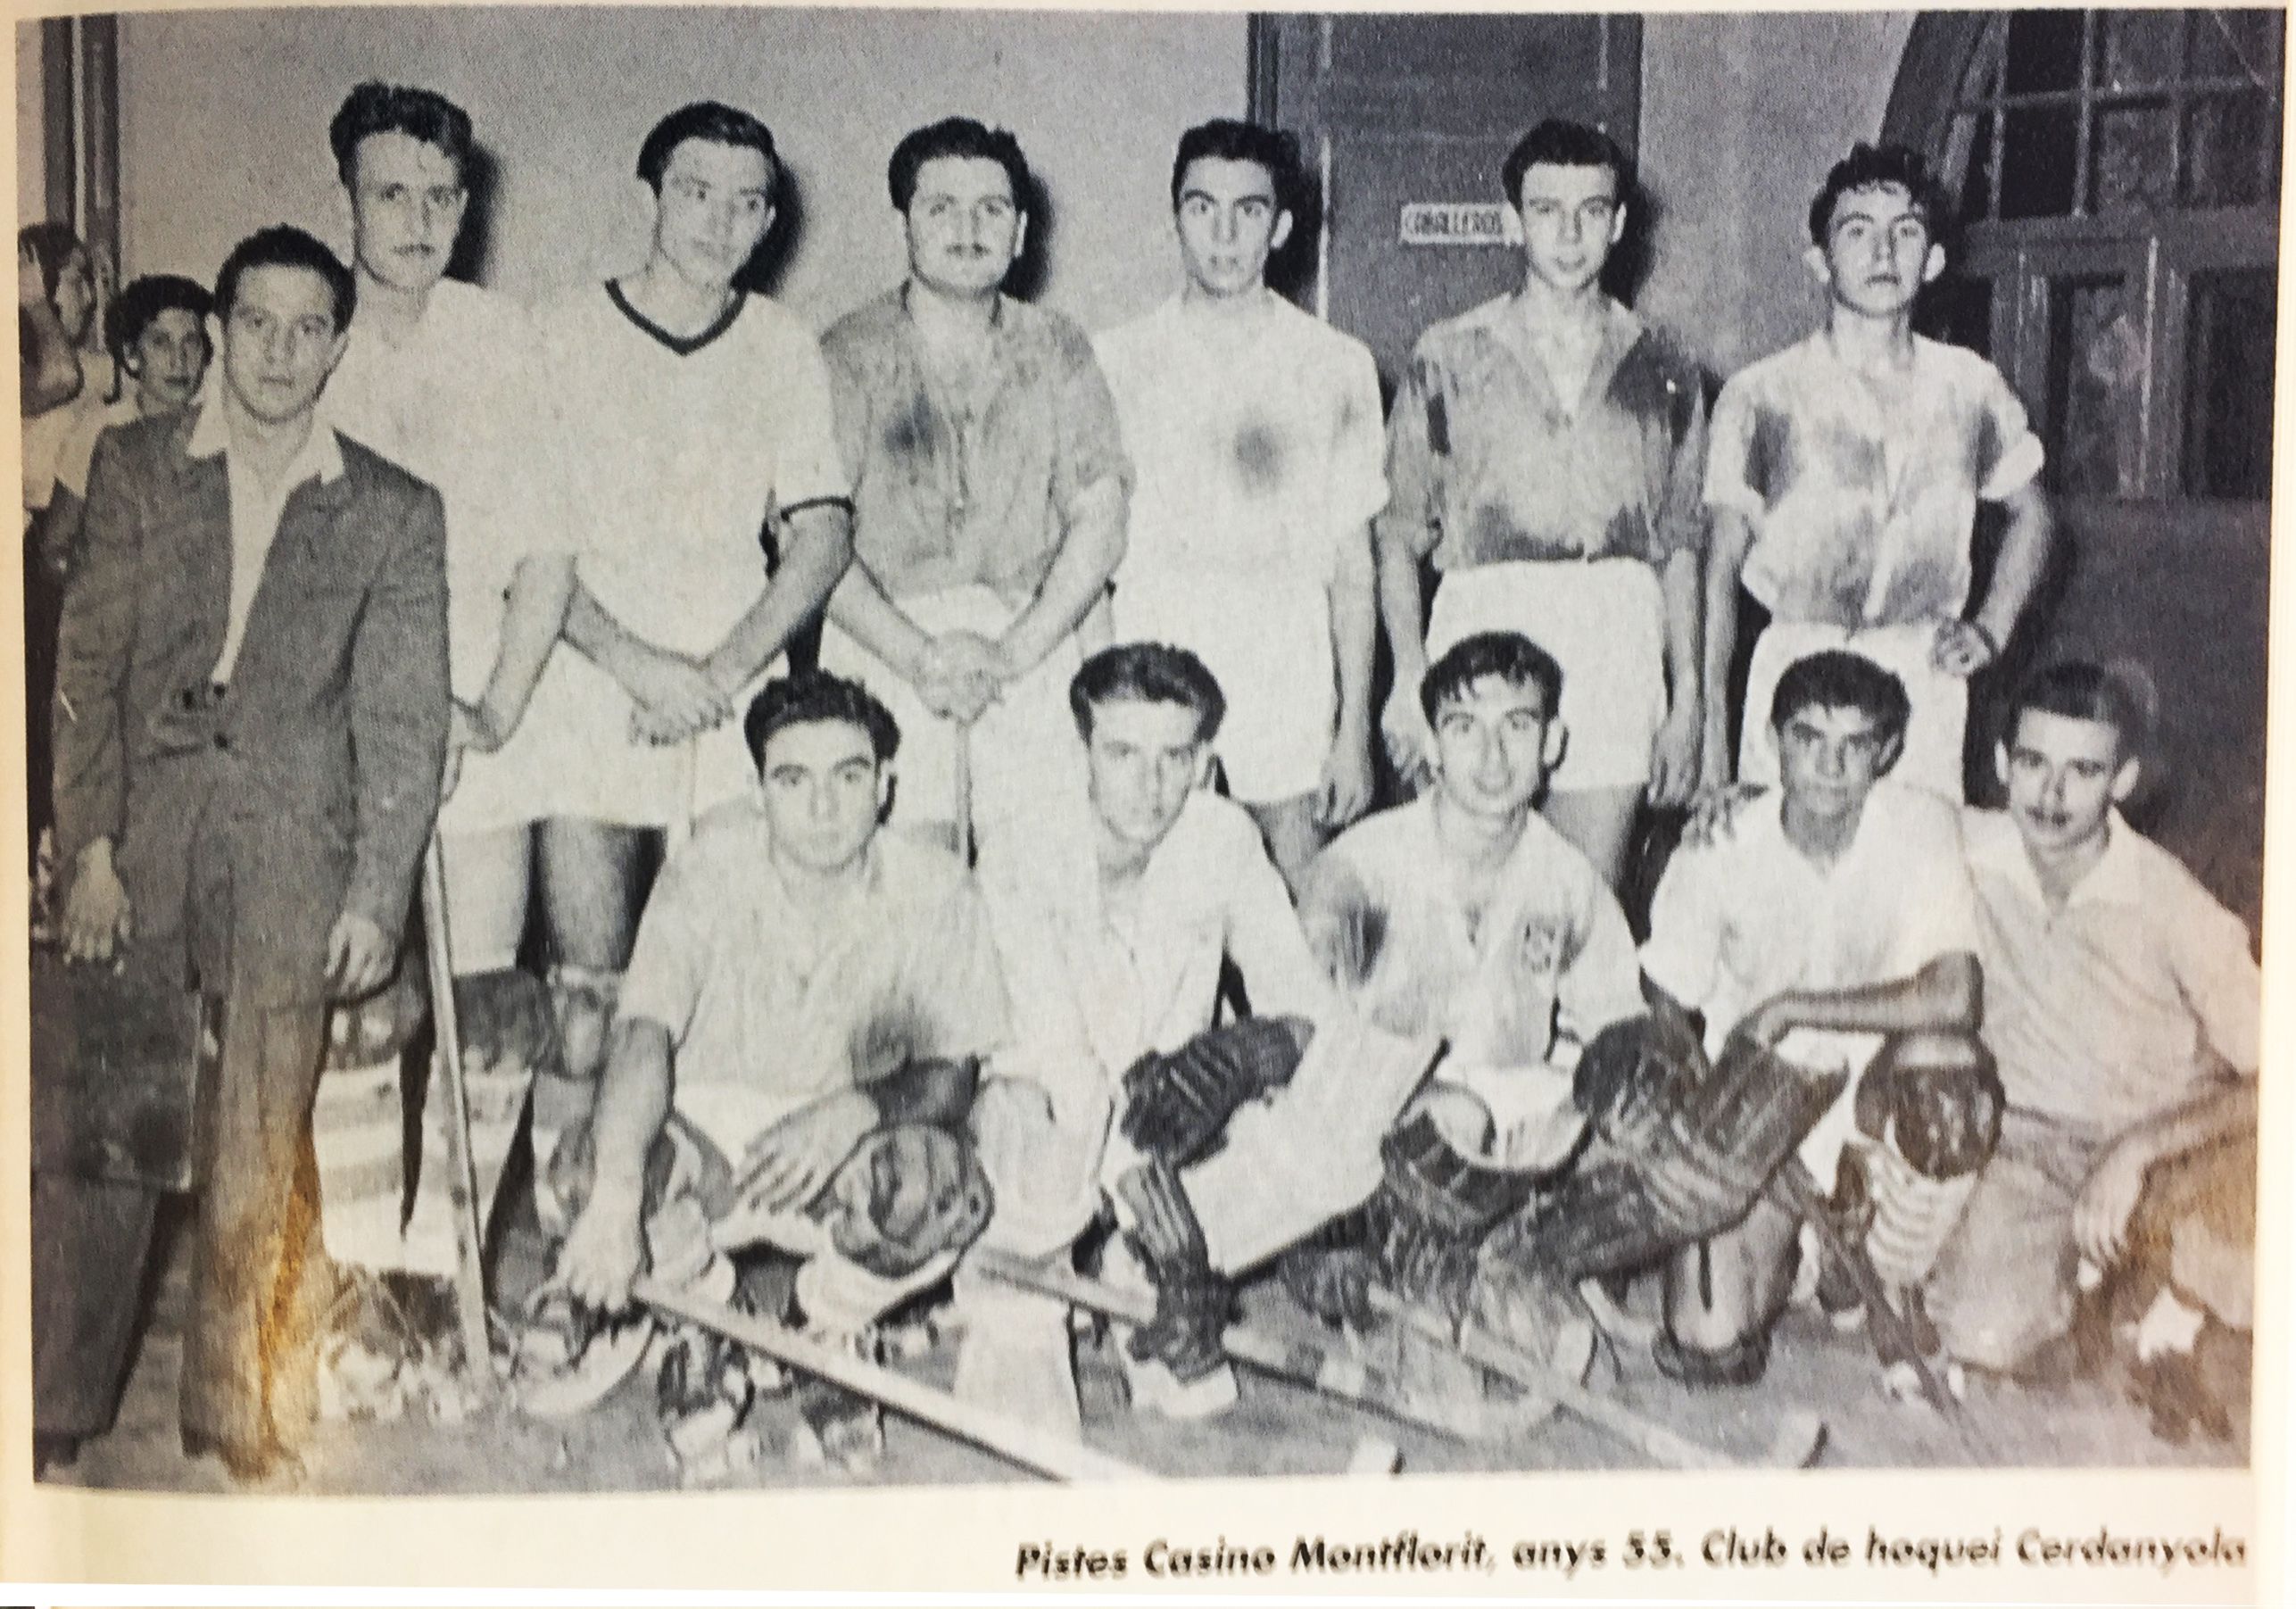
1007	1437
462	1168
1799	1437
1793	1189
1325	1369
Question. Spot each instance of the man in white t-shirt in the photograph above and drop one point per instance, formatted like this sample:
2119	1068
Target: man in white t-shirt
1255	434
690	425
1818	922
438	377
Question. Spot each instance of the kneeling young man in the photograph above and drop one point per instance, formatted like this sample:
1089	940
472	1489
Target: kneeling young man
1819	918
2122	1008
1113	947
801	982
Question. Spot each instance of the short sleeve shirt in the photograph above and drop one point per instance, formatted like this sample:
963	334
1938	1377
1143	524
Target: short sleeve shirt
1862	505
1736	922
454	404
758	992
950	492
1254	441
676	456
1486	967
1488	464
2115	1007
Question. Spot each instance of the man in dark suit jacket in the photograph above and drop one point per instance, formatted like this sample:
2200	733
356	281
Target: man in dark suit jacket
251	719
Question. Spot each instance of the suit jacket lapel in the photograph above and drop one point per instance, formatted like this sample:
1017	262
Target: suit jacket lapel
203	495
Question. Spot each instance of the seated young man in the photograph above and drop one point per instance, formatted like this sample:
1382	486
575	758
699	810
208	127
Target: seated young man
2122	1007
1113	943
1815	922
802	981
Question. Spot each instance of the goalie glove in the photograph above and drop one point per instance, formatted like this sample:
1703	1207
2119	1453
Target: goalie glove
1177	1105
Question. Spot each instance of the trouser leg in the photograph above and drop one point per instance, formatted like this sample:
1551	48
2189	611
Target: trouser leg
259	1274
89	1242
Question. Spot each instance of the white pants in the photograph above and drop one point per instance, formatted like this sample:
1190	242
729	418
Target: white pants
1026	763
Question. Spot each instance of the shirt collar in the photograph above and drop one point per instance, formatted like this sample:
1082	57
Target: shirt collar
320	456
1994	844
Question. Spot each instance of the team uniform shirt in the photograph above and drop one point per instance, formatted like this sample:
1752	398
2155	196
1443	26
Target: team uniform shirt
256	507
960	505
1492	470
1256	446
1862	508
455	402
1740	921
771	1004
674	456
2120	1005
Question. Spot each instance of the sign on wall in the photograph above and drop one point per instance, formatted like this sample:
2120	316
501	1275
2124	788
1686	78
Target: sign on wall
1454	223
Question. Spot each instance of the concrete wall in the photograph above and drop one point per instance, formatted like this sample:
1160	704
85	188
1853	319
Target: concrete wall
1741	116
224	127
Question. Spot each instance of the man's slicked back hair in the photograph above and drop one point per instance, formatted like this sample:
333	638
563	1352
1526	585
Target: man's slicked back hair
282	245
815	695
712	121
2081	691
956	136
1835	678
145	299
1508	655
1227	139
1147	673
422	114
1561	144
1874	167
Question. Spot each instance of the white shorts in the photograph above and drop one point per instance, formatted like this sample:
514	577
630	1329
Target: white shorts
1270	649
1025	764
1604	622
581	762
1932	758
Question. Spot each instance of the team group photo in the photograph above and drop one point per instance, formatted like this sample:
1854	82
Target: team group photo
792	747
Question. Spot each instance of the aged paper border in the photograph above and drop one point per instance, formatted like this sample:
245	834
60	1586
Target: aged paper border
909	1540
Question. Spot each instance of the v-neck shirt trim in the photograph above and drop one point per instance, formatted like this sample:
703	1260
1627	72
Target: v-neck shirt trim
684	346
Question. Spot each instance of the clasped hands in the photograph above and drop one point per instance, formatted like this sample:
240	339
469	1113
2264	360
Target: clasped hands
960	674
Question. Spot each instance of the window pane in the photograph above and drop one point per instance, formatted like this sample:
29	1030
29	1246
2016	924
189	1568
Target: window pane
2036	164
1960	311
2236	45
2232	142
2097	360
2044	52
2132	159
2228	386
1976	197
2137	50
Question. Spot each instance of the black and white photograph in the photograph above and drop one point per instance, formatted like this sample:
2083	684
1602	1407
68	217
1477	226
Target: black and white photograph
802	748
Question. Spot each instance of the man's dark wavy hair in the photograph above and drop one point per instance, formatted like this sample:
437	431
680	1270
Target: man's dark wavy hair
709	120
379	108
282	245
956	136
1870	167
1227	139
1835	678
1564	144
1508	655
816	695
1147	673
